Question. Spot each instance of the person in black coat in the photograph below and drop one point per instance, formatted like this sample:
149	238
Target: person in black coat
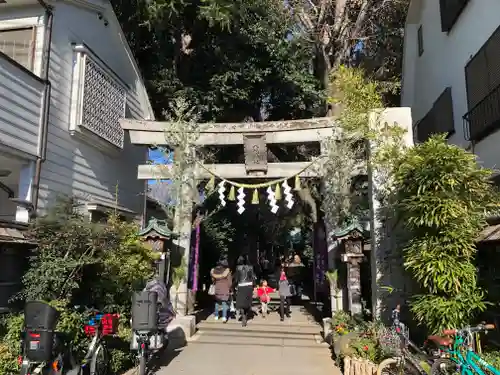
244	279
295	274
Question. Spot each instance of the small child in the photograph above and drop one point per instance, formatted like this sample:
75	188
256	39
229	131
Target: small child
263	292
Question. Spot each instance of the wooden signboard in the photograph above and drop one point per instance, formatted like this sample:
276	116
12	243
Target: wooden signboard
255	152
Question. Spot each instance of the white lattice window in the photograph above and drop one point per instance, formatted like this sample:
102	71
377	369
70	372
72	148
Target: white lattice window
98	99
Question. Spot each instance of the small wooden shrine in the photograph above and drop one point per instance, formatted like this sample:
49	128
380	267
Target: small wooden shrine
158	235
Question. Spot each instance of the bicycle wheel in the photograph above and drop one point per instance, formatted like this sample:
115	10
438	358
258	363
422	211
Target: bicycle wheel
390	366
444	366
99	364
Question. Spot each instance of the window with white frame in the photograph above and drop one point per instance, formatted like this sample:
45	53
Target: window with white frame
98	99
19	45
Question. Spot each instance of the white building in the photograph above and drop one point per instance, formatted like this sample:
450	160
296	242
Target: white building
67	76
451	73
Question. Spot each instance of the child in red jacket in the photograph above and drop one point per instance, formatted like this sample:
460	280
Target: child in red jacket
263	292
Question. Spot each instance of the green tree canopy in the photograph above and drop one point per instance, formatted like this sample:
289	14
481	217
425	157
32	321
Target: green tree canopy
232	61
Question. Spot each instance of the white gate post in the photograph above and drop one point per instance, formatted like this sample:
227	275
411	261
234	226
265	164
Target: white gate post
381	244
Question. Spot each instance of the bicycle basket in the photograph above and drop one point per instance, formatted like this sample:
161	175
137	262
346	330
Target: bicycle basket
390	341
110	324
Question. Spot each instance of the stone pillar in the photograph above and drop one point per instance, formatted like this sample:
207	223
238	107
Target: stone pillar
353	257
182	230
377	183
183	224
336	294
354	285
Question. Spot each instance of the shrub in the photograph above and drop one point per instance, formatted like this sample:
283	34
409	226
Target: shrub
442	195
78	263
356	338
492	357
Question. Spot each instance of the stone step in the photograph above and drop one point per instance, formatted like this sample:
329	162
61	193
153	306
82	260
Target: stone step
252	329
244	337
253	325
254	341
271	319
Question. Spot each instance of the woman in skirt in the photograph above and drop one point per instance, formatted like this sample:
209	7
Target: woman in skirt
244	281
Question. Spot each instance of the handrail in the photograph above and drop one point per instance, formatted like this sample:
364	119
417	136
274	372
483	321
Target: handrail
484	117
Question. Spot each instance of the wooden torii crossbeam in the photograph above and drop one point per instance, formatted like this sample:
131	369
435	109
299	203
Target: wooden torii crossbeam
292	131
223	134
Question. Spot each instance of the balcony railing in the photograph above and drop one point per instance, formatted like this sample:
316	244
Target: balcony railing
484	118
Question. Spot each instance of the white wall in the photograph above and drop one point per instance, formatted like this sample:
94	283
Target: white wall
443	62
20	107
73	167
21	92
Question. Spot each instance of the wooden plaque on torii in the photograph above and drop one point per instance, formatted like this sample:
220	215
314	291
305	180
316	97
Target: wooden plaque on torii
255	148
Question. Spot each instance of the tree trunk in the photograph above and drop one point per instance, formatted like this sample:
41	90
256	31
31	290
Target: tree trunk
322	69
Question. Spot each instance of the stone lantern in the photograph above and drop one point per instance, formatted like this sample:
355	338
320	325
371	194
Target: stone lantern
158	236
351	239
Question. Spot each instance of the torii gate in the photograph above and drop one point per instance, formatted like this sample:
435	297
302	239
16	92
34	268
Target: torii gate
255	136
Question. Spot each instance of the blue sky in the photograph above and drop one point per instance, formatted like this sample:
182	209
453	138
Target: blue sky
158	156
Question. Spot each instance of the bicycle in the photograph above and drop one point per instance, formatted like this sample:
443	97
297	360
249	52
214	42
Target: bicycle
43	351
96	360
404	361
461	356
147	333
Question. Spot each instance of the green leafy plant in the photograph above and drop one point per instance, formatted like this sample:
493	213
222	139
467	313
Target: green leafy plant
357	338
443	195
78	263
356	97
366	347
492	357
342	322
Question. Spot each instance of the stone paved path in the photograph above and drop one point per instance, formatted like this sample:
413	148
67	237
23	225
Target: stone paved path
264	347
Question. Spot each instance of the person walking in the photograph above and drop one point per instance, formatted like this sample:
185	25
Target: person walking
284	292
222	281
295	273
244	282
